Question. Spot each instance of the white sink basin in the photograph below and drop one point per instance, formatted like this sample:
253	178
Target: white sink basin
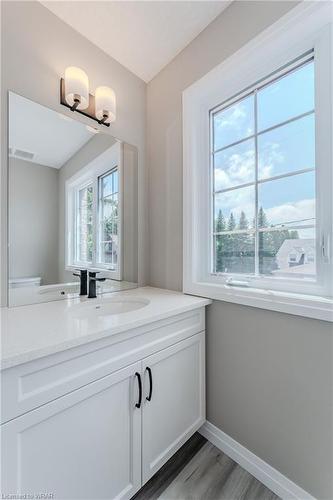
103	308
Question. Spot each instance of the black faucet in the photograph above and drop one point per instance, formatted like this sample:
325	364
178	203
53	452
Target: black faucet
83	280
92	284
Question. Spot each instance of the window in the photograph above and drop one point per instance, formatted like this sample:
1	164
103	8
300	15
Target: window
84	224
258	171
108	219
263	171
94	215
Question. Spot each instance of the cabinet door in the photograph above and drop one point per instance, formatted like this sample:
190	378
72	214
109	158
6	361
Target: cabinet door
177	406
85	445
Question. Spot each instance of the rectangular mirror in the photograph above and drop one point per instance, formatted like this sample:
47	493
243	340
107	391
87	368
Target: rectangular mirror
73	205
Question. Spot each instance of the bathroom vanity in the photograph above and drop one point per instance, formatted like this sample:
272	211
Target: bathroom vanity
98	394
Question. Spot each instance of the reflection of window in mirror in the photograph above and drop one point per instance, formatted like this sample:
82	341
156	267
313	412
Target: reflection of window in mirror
94	215
108	219
84	224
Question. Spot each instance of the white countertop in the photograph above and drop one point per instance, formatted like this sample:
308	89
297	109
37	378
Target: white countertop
33	331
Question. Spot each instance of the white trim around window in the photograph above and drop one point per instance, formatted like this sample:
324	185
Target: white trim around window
308	27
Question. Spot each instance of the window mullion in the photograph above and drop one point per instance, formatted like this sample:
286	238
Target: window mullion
256	238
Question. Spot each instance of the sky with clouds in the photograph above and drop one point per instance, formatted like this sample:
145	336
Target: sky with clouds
285	149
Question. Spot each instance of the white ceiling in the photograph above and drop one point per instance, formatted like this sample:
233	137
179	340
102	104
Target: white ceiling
53	138
144	36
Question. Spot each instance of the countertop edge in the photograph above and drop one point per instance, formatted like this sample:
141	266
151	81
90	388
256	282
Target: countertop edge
26	357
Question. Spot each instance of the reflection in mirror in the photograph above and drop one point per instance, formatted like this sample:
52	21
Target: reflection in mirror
73	194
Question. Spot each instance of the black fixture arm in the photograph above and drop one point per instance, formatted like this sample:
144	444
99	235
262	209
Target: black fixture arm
77	101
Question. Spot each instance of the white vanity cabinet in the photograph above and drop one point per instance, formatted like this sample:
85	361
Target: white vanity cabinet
86	444
107	437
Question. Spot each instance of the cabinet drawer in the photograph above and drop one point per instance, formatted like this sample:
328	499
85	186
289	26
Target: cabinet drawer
27	386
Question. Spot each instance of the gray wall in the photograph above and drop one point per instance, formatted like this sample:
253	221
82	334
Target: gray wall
33	222
269	386
269	374
36	47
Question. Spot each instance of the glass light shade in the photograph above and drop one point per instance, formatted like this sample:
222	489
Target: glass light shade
105	104
76	84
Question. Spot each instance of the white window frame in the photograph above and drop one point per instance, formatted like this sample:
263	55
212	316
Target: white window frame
307	27
106	162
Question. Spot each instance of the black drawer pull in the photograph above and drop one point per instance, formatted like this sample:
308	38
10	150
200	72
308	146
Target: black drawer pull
138	404
148	398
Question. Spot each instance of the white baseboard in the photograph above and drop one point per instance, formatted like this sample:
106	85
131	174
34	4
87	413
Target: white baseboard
270	477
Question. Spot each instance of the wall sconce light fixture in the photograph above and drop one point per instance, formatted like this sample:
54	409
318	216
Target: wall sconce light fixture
105	105
74	94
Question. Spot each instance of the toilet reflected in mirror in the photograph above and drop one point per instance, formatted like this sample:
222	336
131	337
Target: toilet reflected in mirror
73	204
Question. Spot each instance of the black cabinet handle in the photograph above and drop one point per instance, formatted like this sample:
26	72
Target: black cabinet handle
148	398
138	404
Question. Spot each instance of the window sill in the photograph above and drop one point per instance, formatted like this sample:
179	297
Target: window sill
309	306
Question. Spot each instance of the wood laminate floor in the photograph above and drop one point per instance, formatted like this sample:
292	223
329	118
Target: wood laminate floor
199	471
